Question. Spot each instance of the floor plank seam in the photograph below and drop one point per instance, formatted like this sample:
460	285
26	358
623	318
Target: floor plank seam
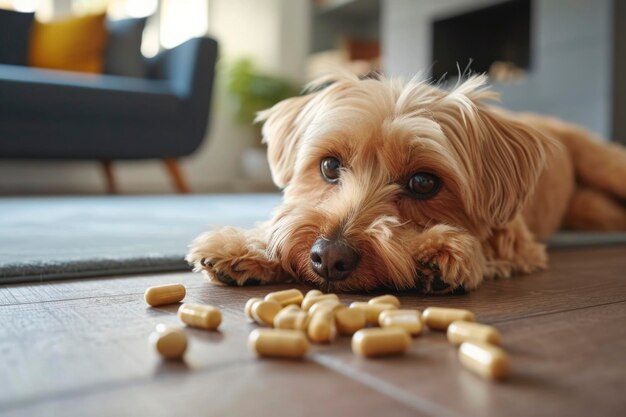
381	386
86	298
114	385
549	313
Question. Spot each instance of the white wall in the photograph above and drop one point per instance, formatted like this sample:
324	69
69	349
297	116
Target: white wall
406	31
274	33
571	52
571	77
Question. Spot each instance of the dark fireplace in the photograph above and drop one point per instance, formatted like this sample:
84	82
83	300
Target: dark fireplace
496	35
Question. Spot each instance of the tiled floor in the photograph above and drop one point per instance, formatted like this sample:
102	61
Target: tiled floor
79	347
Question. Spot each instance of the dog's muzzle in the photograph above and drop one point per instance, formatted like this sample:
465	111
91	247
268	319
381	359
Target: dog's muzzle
333	260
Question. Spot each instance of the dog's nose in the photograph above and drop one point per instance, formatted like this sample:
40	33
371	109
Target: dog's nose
333	260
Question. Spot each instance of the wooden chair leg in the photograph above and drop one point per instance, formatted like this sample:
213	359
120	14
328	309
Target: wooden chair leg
111	186
177	175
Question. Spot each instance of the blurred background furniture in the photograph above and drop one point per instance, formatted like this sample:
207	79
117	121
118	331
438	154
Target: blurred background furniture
48	114
574	70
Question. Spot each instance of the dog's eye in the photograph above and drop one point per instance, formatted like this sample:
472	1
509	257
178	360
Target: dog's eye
424	185
330	168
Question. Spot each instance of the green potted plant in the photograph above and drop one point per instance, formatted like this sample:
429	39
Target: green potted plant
254	91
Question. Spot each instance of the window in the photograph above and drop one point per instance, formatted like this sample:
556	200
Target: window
171	22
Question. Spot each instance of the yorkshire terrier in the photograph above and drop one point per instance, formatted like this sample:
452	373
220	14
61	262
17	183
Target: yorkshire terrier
412	187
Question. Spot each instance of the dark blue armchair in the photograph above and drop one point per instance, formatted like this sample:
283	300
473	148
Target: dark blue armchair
48	114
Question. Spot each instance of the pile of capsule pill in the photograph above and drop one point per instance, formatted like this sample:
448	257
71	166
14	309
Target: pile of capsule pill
378	327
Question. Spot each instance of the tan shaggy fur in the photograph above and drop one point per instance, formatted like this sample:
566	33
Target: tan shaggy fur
508	182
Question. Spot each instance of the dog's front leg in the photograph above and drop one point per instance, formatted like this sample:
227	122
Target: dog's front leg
235	257
448	259
513	250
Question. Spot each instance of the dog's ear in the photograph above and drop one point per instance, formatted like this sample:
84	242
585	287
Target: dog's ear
505	155
513	155
283	128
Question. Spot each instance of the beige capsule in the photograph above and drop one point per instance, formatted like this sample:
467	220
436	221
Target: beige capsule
308	302
372	311
286	297
202	316
310	294
332	305
438	318
321	327
248	307
169	342
292	307
409	320
349	320
380	342
465	331
164	294
485	360
313	293
278	343
386	299
264	312
292	319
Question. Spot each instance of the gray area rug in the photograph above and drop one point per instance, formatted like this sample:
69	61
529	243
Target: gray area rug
70	237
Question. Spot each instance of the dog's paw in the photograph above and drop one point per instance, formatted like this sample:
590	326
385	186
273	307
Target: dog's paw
448	262
233	257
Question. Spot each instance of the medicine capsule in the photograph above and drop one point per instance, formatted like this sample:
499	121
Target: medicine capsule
386	299
331	304
278	343
308	302
313	293
322	327
465	331
292	307
484	359
438	318
372	311
380	342
169	342
349	320
200	315
164	294
248	307
286	297
263	312
409	320
292	319
310	294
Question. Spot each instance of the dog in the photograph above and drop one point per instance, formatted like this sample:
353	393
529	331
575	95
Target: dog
410	186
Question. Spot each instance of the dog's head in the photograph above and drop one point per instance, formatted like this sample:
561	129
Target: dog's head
368	165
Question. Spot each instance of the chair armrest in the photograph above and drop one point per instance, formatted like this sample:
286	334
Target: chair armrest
189	71
189	68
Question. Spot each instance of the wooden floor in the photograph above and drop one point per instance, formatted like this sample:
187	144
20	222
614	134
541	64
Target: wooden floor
79	348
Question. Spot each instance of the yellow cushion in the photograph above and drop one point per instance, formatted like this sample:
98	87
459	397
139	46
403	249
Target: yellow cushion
75	44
